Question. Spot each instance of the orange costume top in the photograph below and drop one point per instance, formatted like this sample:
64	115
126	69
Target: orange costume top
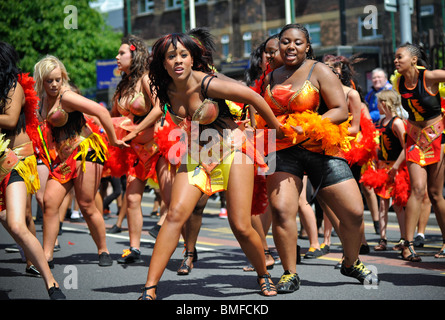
304	108
141	161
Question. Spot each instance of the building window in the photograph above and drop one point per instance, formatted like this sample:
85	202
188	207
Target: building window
314	33
247	39
172	4
200	1
225	40
273	31
146	6
368	30
427	17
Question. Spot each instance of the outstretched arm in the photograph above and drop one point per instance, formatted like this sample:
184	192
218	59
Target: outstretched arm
74	101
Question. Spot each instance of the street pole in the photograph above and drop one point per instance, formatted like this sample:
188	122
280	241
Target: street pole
183	15
288	12
192	14
128	17
343	39
405	21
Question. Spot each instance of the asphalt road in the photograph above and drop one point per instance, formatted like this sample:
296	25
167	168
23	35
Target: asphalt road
217	278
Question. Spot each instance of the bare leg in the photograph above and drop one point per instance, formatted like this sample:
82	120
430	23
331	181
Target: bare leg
85	187
15	223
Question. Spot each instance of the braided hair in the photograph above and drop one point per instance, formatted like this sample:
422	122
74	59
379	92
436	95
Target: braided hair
417	51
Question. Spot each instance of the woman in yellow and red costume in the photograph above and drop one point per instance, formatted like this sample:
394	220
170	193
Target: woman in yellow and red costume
308	100
81	153
425	140
133	106
19	177
183	80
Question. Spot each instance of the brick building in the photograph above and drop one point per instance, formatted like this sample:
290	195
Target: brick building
341	27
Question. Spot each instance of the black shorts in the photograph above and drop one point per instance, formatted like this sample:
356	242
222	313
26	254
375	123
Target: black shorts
14	177
322	170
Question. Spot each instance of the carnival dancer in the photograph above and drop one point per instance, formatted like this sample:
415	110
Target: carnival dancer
308	100
419	89
183	80
147	158
80	154
19	177
390	177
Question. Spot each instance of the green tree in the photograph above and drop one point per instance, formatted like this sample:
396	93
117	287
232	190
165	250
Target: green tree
38	28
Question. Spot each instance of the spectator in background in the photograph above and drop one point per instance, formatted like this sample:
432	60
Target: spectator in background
379	83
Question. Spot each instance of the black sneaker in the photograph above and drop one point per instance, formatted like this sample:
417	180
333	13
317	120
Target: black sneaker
55	293
154	231
105	260
313	253
32	271
359	271
131	255
114	229
419	241
289	282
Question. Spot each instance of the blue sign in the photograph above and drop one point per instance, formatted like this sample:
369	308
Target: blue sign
107	74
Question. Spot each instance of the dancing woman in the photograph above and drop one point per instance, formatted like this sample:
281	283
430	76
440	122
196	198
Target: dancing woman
81	154
308	100
19	175
183	81
135	104
419	89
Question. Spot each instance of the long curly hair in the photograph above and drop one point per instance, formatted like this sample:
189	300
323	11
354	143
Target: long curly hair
139	67
9	72
205	40
160	79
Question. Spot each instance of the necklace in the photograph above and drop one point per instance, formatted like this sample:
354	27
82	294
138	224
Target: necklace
293	71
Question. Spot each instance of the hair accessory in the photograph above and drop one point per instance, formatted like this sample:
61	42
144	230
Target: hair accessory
132	47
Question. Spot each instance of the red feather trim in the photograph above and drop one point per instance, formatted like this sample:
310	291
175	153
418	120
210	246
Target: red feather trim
402	187
377	179
31	109
374	178
259	200
365	148
258	86
164	144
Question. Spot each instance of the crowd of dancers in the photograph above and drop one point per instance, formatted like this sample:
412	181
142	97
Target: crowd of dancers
178	122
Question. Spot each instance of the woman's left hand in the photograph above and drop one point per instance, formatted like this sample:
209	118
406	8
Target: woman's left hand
120	144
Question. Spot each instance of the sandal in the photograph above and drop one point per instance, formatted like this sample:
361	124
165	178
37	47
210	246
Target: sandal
146	296
250	268
267	285
413	257
185	269
381	246
441	253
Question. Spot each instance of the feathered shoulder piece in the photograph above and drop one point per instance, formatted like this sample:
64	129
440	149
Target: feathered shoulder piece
31	109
